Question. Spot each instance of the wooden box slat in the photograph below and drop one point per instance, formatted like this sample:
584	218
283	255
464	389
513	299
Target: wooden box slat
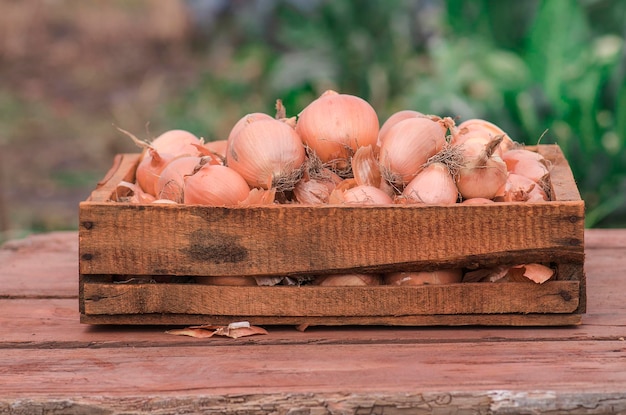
287	240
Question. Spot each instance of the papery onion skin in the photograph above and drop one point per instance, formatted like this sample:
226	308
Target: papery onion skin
215	185
335	125
433	185
170	184
446	276
407	147
477	201
267	153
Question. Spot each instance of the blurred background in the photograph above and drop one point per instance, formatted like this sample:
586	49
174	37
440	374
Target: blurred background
72	70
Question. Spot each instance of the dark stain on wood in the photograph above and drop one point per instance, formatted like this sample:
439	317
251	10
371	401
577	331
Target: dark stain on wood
206	245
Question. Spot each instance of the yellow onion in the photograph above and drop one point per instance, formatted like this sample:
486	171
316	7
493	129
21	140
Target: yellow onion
482	173
171	182
360	195
432	186
177	143
477	127
408	145
149	169
519	188
526	163
395	118
347	280
226	281
245	120
215	185
267	153
335	125
316	189
445	276
477	201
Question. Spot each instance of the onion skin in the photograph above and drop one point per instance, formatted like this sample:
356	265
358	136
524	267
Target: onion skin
432	186
477	201
215	185
335	125
407	146
267	153
447	276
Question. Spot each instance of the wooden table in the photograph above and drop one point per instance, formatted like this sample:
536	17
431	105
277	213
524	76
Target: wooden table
50	363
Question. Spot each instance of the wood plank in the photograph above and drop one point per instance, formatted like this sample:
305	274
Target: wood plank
314	301
501	401
319	368
563	185
54	323
40	266
254	241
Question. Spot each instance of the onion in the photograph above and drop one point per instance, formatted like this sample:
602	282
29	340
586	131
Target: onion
131	193
316	189
446	276
335	125
245	120
407	146
393	120
267	153
347	280
433	185
170	184
215	185
477	127
361	195
519	188
482	173
234	281
477	201
526	163
149	169
177	143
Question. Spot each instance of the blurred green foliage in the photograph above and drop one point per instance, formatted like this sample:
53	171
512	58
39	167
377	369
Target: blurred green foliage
551	70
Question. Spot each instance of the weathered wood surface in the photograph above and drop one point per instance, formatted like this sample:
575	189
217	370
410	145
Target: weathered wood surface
50	363
196	240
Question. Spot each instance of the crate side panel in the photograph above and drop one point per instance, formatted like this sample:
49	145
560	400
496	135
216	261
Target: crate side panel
467	298
196	240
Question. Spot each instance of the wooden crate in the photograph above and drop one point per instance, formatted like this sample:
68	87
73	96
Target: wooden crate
138	261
